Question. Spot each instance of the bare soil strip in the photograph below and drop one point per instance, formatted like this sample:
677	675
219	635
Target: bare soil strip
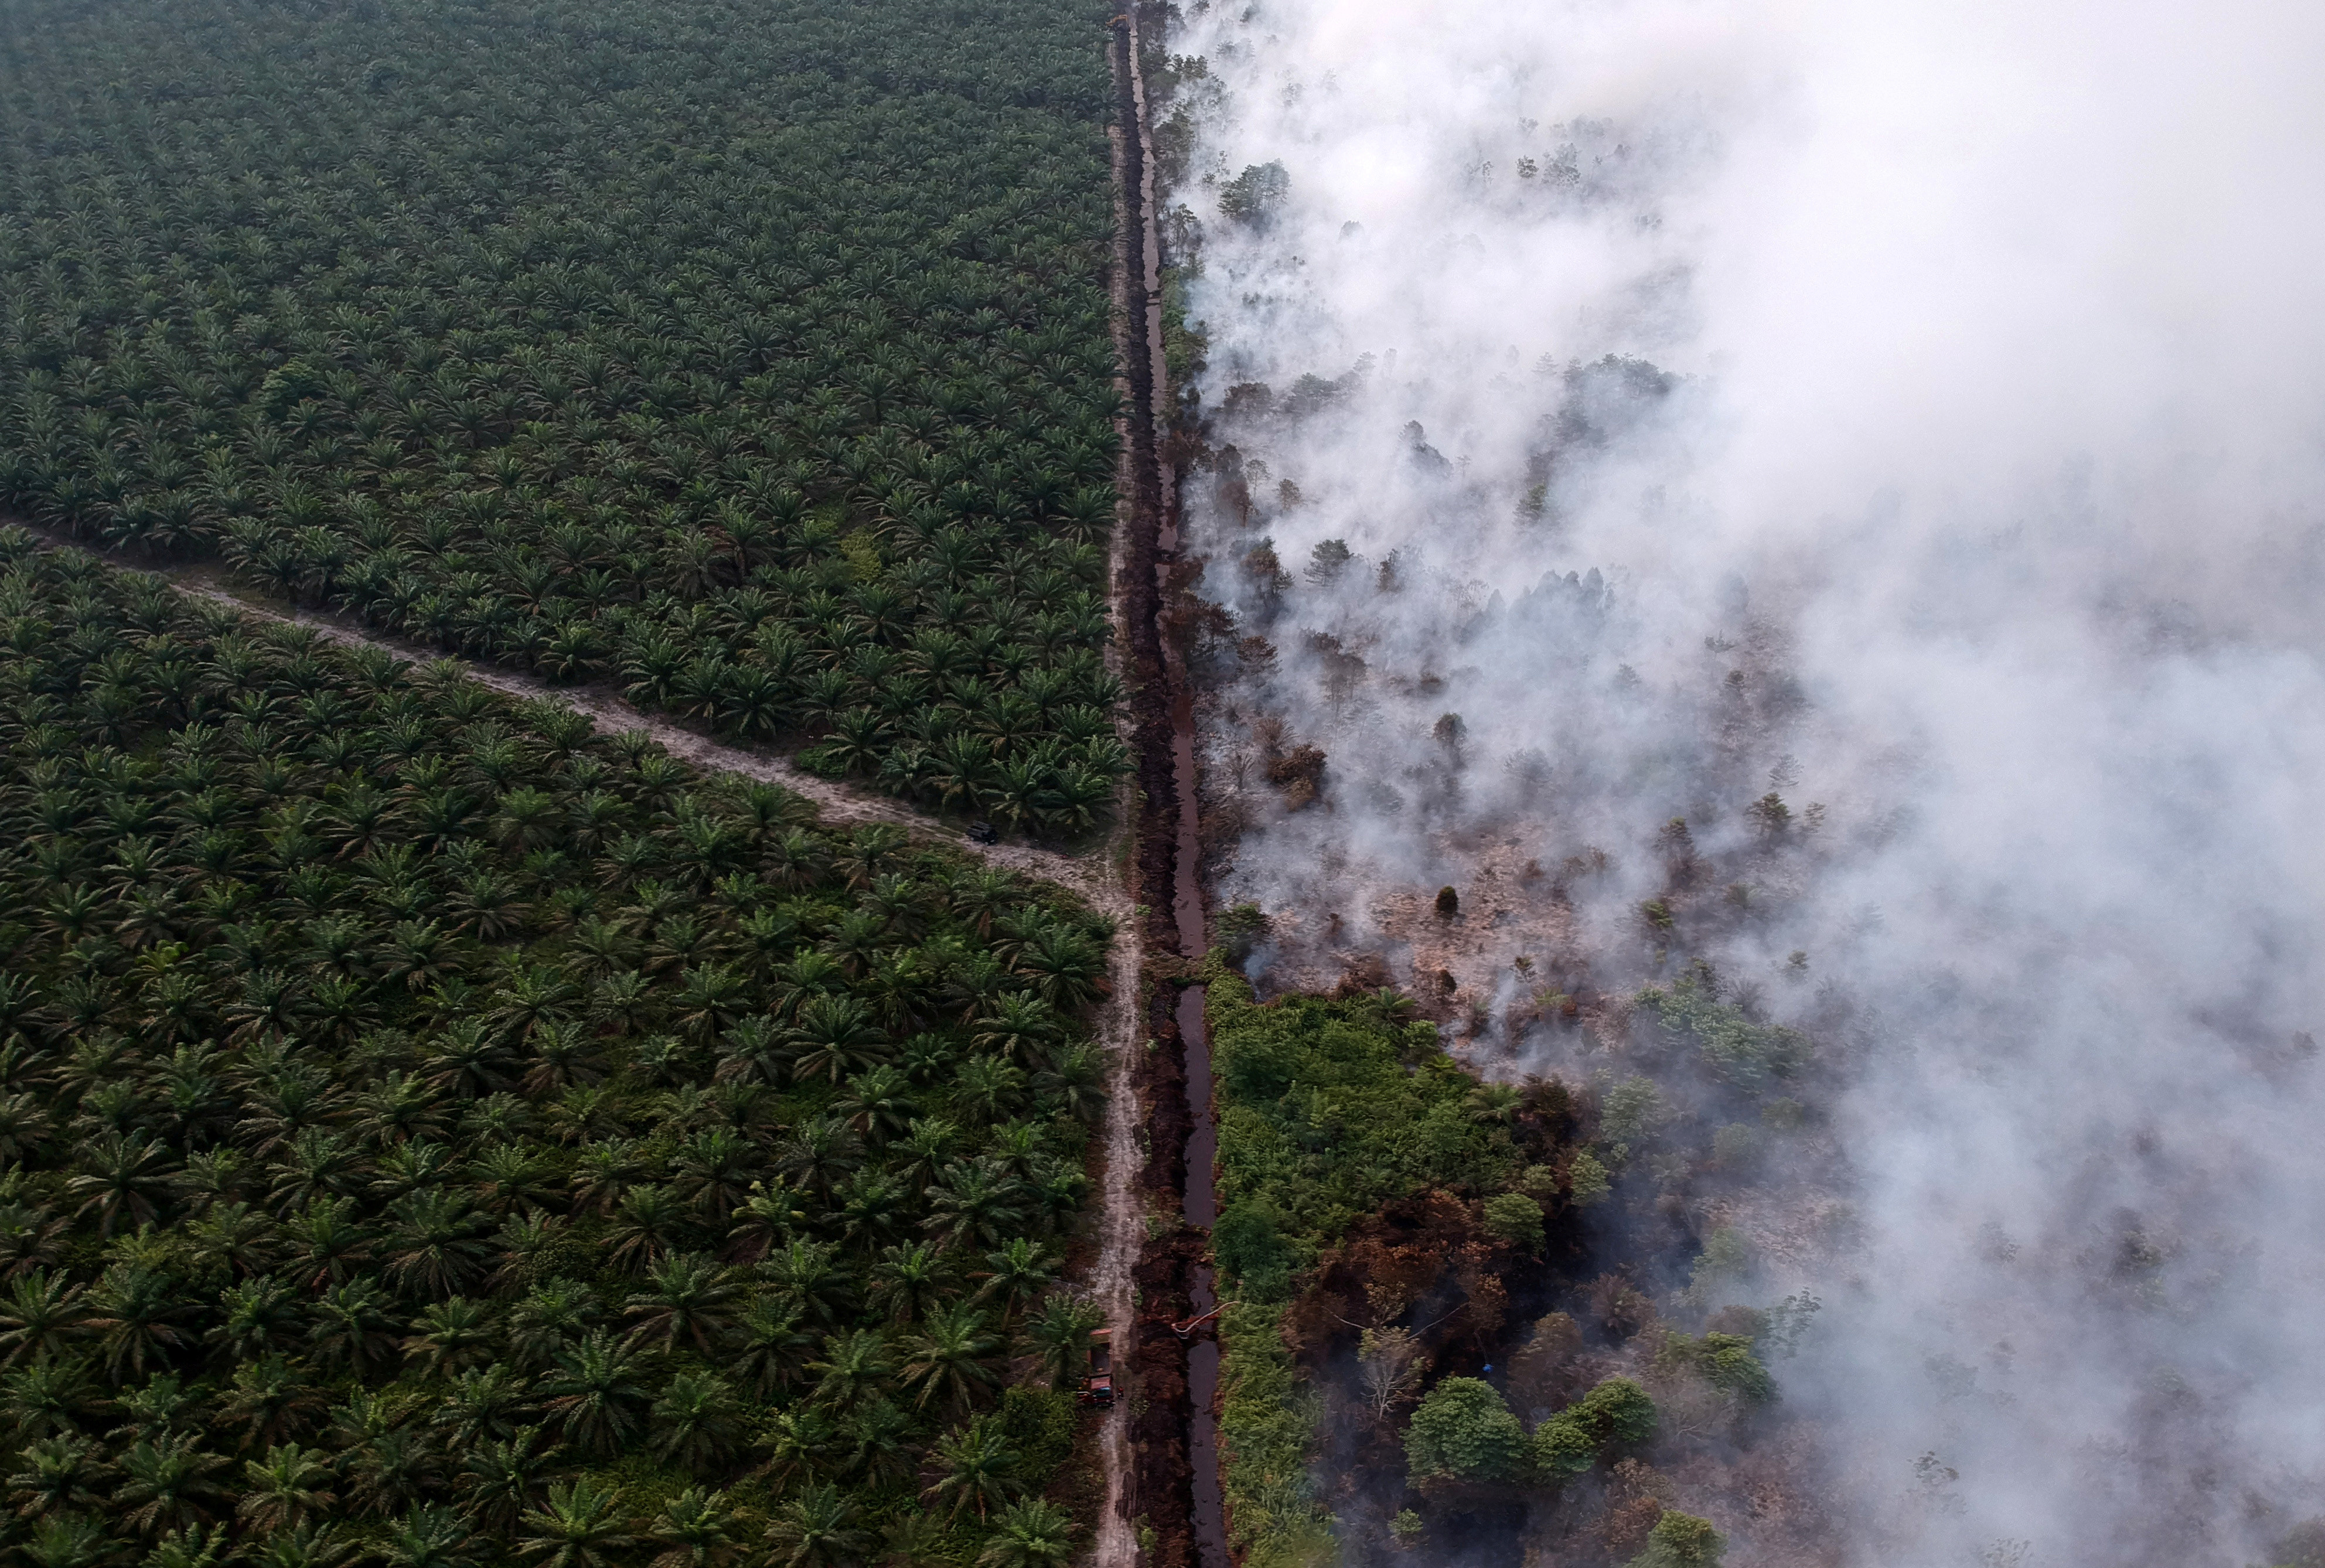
1089	876
1122	1212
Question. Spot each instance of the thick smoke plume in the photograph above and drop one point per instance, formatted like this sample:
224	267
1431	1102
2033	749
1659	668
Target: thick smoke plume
1653	407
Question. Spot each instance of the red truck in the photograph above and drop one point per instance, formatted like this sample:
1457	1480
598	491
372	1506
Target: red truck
1097	1388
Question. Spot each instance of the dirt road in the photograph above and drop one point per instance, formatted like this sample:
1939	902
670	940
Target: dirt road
1089	876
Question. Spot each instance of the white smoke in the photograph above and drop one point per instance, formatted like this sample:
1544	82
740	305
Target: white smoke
1991	460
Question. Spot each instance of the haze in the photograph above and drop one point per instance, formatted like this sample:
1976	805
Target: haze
1994	439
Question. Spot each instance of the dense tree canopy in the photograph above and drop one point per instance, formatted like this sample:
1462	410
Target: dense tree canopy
427	1126
751	357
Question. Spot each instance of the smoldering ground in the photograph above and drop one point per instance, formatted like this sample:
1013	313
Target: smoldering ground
1639	411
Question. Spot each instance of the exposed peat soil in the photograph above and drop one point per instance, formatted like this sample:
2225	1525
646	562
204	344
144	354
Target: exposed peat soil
1173	1489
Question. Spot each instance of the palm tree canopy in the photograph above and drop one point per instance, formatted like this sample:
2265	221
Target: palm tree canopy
380	1164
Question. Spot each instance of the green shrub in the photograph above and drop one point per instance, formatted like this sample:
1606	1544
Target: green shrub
1739	1050
1619	1413
1330	1108
1631	1110
1586	1180
2302	1547
1681	1541
1241	928
1254	196
1726	1256
1259	1068
1390	1133
1251	1253
1616	1414
1564	1447
1464	1430
1515	1217
1737	1145
1725	1361
1040	1424
1728	1362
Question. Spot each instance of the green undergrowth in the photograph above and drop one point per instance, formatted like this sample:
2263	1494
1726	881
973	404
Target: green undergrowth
1267	1430
1328	1110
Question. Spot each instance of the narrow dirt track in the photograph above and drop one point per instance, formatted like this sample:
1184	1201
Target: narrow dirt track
1089	876
1121	1214
1148	1510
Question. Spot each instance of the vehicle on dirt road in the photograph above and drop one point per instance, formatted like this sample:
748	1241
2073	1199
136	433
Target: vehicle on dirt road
1097	1388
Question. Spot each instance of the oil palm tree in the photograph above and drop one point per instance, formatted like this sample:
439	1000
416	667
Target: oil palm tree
168	1482
595	1395
137	1314
1021	1028
696	1422
41	1317
1015	1273
427	1536
975	1468
580	1526
500	1477
976	1201
950	1361
698	1528
1031	1534
64	1474
419	1138
451	1336
817	1528
771	1346
1059	1333
687	1299
121	1179
853	1365
834	1037
285	1488
649	1223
